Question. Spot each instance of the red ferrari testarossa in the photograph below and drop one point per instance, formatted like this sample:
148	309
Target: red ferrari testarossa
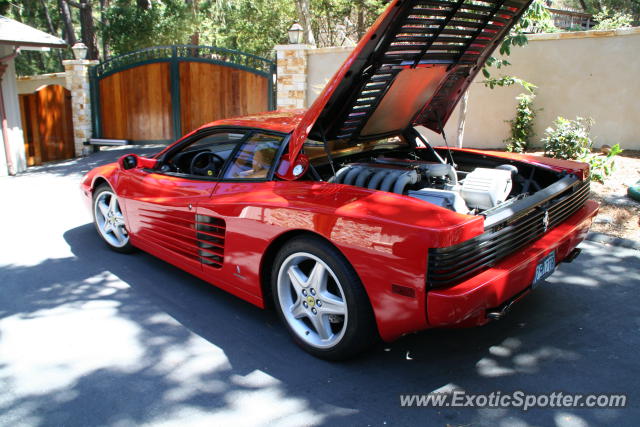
343	215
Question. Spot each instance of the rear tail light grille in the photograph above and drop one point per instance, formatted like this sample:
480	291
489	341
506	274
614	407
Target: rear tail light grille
451	265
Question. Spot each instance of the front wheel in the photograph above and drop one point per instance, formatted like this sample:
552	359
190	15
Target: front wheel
320	299
109	220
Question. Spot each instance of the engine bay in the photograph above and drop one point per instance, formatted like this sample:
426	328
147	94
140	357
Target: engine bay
437	183
466	183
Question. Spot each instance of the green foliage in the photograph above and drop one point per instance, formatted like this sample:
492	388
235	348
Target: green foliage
253	26
602	166
535	19
504	81
610	20
343	22
522	124
596	7
31	13
131	28
569	140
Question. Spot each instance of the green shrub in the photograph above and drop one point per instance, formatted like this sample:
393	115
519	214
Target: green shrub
610	20
602	165
569	140
522	124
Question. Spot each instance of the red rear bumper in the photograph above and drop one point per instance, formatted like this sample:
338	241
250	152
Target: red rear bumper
466	304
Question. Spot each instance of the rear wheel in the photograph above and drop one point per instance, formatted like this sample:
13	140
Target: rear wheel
109	219
320	299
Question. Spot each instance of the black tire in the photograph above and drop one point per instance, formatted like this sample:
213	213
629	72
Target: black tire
360	331
101	191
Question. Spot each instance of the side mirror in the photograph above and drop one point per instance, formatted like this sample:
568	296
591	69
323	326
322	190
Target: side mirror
130	161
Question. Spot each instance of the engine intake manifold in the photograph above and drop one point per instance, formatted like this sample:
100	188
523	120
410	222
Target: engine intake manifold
377	177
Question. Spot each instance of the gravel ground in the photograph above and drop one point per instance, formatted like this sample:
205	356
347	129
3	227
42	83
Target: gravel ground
619	215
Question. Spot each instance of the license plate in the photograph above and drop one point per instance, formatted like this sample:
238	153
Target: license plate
545	267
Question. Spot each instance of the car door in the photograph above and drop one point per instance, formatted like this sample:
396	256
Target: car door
232	210
161	204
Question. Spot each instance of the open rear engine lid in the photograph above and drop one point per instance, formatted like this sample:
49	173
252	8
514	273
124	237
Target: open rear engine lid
411	68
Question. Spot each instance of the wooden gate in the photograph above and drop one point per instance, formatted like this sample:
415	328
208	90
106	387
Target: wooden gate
161	93
47	123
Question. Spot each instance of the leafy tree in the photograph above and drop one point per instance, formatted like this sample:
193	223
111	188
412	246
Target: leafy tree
625	7
253	26
44	15
535	19
610	20
343	22
136	25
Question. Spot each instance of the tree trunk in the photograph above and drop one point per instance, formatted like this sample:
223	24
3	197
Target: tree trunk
463	117
583	5
194	39
52	30
104	5
360	29
144	4
304	15
87	30
65	14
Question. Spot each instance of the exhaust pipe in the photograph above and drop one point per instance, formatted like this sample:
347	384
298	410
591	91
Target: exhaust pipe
572	255
499	313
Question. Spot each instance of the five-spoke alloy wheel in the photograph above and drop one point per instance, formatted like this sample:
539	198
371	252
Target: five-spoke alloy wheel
312	300
321	300
109	220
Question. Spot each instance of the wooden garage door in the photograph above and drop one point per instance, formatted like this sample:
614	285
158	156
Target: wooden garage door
47	124
211	92
159	94
135	104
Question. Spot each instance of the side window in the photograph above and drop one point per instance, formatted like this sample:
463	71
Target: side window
255	158
206	155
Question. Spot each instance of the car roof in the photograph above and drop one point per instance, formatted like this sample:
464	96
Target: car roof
284	121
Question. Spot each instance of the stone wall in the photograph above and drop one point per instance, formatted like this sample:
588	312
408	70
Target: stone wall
77	81
292	75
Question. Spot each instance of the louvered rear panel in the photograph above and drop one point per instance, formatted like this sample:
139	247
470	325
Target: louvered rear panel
455	33
197	237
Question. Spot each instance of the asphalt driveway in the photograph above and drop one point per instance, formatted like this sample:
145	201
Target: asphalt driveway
91	337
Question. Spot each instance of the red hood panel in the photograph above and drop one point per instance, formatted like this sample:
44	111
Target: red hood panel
411	68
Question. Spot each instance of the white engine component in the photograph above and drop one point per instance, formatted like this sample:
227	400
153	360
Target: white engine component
444	198
485	188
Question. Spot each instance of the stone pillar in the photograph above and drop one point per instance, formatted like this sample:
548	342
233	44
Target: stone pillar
77	78
292	75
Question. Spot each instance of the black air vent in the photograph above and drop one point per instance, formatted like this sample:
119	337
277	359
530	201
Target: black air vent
210	235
